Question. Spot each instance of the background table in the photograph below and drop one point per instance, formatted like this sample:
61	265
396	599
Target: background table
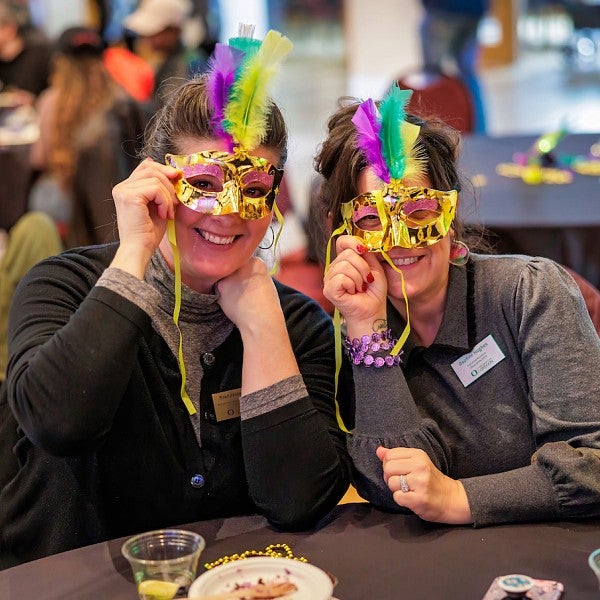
15	182
18	131
375	555
561	222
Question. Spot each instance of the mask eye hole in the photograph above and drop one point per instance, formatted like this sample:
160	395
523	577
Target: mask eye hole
421	211
369	223
367	218
257	184
206	183
255	191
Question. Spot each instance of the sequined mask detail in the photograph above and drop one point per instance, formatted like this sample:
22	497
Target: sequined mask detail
409	217
220	183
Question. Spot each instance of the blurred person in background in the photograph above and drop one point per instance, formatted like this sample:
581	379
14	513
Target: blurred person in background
31	239
83	110
130	71
448	32
158	25
24	54
127	68
207	13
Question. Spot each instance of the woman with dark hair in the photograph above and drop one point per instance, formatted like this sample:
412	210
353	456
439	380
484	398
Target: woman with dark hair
168	379
476	376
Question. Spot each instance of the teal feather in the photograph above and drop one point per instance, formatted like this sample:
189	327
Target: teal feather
249	46
393	112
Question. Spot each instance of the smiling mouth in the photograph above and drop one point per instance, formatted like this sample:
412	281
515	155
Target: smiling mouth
215	239
403	262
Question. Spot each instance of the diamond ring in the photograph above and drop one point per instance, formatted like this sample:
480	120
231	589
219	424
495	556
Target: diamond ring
403	484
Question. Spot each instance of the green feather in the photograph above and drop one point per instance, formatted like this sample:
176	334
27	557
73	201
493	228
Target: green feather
393	144
249	46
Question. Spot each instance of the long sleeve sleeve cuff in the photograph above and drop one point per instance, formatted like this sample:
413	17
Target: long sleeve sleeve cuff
274	396
139	292
524	494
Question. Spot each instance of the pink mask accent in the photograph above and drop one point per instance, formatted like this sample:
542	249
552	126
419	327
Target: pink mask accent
420	204
364	211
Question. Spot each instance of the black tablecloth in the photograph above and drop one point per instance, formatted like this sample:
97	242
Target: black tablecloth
375	556
561	222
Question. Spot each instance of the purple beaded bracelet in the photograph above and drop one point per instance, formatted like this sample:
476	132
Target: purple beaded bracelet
360	350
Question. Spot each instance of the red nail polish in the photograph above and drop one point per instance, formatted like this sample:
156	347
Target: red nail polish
370	278
364	287
361	249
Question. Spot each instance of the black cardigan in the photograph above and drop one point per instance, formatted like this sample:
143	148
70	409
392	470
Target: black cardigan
96	442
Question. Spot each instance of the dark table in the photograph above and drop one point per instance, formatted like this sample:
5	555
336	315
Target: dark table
18	131
561	222
375	556
15	182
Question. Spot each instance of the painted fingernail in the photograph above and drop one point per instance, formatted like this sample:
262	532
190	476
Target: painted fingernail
364	287
361	249
370	278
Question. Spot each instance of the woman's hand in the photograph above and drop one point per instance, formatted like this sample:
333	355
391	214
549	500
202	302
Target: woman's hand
432	495
355	284
144	202
248	296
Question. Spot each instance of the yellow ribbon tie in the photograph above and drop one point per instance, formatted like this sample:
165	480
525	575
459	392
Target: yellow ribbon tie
177	266
406	331
276	241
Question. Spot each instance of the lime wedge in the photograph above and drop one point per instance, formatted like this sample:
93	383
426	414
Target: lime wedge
154	589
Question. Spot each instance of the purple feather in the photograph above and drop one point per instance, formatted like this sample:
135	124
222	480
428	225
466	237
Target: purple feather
222	68
367	123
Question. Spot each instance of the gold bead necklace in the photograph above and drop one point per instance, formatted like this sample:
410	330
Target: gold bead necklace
274	550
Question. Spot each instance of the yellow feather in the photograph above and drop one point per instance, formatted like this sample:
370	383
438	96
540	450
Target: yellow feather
415	164
246	113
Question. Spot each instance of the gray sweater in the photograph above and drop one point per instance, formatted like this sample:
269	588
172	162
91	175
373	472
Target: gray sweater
203	327
524	437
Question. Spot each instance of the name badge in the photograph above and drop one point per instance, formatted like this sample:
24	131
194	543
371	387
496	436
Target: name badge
480	360
227	404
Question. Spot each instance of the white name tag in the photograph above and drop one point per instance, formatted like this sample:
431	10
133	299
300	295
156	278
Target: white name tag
480	360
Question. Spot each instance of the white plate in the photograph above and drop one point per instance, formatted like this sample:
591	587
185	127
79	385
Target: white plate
312	582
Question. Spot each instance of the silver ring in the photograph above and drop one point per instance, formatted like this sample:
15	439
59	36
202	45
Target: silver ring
403	484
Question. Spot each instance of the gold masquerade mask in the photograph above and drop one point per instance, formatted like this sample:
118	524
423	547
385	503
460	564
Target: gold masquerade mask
220	183
409	217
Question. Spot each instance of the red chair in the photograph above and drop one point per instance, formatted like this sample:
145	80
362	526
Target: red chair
439	95
305	276
591	295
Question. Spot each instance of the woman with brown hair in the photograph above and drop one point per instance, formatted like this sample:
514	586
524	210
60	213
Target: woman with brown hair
476	376
83	110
